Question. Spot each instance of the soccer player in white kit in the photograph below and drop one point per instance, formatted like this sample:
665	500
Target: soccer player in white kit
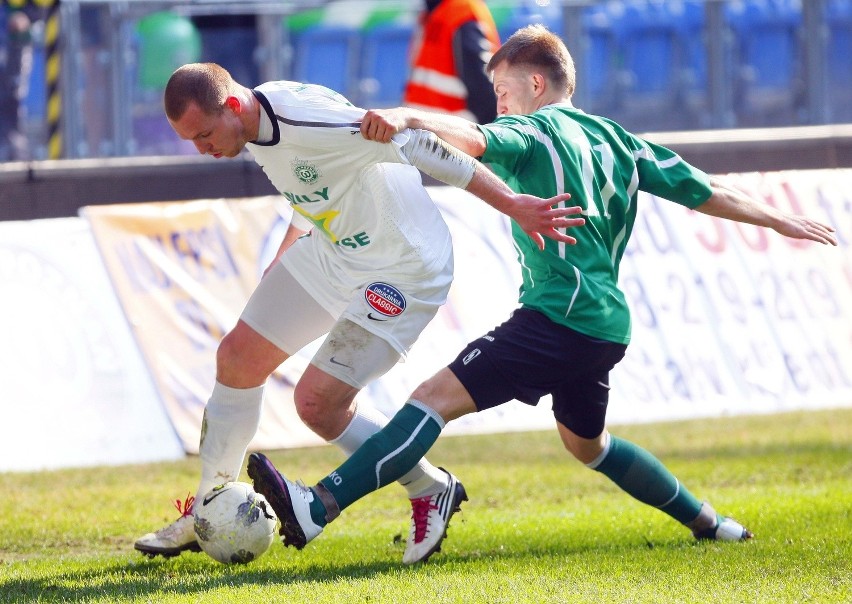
367	259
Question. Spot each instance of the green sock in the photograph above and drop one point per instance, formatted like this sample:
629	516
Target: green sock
383	458
644	477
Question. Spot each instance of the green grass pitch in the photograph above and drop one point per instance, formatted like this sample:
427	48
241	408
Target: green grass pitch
539	527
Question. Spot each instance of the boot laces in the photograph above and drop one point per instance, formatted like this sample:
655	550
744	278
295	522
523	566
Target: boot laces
184	507
420	509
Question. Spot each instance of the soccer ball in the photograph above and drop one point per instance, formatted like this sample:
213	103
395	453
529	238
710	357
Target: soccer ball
234	525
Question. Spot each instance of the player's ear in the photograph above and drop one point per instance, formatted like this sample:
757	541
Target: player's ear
233	103
538	83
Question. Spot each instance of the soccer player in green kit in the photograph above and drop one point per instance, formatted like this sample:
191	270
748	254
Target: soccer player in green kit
573	324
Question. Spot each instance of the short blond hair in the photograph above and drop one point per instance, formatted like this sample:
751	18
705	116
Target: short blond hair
537	47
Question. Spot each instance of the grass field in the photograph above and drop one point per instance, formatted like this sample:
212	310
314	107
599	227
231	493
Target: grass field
539	527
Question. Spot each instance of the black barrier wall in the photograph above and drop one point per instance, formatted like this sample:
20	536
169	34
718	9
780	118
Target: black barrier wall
51	189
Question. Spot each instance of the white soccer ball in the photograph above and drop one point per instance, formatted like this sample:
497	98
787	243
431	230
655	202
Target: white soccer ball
234	525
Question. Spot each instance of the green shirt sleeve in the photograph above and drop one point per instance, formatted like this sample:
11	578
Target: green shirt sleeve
663	173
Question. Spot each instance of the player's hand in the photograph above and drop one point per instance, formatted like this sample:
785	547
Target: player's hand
802	227
382	124
539	218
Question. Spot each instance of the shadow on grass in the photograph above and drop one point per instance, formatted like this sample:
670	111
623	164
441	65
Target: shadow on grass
150	578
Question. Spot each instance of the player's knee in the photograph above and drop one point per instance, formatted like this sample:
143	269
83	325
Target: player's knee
227	354
584	450
578	453
445	394
316	413
309	412
234	366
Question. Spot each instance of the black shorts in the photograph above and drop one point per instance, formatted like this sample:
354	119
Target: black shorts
530	356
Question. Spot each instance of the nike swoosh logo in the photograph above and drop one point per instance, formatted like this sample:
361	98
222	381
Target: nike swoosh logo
213	496
334	362
370	316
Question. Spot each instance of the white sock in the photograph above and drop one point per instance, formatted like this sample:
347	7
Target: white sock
422	480
231	419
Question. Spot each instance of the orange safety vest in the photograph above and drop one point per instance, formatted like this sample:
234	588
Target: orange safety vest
433	82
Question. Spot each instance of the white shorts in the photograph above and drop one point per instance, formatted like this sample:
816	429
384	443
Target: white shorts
291	314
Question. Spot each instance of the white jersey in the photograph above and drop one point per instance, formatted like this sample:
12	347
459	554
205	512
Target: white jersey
346	186
380	253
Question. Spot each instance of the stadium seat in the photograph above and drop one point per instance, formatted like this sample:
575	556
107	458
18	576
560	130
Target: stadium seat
163	42
692	47
528	13
384	64
839	58
635	64
327	55
769	88
36	101
601	76
3	24
649	46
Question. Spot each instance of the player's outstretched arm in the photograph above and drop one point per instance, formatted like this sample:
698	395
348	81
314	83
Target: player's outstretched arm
382	124
733	204
537	217
444	146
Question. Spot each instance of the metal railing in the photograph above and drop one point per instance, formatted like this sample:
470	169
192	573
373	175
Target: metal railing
108	112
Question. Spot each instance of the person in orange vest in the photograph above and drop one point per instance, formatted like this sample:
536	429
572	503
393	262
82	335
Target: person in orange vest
455	41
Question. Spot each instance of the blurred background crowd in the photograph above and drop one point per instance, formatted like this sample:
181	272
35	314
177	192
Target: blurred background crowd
84	78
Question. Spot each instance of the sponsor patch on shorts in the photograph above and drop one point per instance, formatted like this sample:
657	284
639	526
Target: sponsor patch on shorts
385	299
471	355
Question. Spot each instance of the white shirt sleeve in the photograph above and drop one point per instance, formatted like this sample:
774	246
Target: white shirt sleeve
300	222
437	158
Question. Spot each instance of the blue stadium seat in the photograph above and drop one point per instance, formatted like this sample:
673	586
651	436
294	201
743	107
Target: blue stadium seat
768	51
36	101
3	25
327	55
601	75
384	64
839	58
528	12
649	45
693	72
635	58
693	47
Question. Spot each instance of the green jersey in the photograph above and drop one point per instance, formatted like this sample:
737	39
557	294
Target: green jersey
560	149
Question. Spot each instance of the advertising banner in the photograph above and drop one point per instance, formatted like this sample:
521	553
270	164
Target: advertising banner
731	318
727	318
74	390
183	272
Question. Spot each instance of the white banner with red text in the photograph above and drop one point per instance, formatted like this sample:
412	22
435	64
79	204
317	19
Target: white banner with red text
728	318
110	358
